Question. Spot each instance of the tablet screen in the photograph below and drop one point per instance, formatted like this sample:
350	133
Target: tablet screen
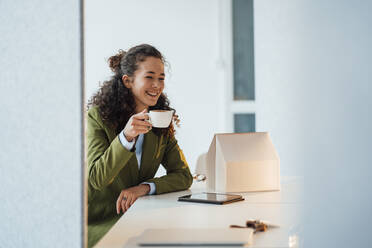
211	197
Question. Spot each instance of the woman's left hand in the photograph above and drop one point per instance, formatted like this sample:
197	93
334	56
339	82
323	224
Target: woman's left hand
128	196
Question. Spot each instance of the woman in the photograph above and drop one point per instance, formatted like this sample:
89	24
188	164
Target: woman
124	151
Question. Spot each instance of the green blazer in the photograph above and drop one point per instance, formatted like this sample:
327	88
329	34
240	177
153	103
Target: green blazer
112	168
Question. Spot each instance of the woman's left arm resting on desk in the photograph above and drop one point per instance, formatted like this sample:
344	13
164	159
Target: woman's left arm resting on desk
178	173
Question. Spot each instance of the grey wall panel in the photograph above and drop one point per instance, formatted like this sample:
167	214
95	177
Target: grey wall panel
40	123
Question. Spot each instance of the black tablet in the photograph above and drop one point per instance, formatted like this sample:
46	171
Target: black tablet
213	198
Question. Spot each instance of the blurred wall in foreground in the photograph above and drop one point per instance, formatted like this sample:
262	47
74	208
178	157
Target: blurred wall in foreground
313	67
337	77
41	124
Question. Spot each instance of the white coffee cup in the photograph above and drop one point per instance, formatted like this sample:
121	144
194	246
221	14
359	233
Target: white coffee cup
160	118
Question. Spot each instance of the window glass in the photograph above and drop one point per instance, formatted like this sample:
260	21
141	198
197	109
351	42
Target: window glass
243	49
244	123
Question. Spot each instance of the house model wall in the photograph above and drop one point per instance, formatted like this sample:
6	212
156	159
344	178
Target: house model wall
242	162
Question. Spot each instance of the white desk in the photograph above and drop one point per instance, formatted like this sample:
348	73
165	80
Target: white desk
164	211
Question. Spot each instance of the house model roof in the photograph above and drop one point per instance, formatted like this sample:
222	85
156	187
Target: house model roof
238	147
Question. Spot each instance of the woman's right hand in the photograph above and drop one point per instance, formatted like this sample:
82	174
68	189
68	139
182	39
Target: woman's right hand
136	125
128	196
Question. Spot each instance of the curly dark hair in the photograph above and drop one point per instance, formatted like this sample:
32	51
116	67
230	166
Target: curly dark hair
116	102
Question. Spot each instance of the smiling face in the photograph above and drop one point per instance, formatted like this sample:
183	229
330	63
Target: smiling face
147	83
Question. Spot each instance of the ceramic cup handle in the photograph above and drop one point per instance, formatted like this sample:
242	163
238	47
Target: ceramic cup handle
149	120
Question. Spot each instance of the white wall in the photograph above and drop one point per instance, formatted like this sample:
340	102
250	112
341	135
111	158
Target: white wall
278	78
186	33
41	124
